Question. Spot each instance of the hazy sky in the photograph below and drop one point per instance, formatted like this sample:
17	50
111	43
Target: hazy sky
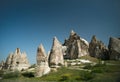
25	24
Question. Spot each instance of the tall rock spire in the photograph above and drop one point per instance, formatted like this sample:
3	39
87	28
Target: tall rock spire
17	51
56	54
56	43
94	39
42	62
41	54
72	33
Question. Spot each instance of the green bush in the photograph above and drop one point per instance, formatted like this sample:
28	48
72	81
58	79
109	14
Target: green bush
14	74
87	66
98	70
28	74
101	70
100	65
85	76
1	73
65	77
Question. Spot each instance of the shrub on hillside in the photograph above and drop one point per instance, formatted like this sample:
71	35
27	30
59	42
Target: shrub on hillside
14	74
100	65
28	74
97	70
87	66
65	77
85	76
1	73
100	69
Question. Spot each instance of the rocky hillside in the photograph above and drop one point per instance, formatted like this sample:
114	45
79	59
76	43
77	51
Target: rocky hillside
16	60
68	53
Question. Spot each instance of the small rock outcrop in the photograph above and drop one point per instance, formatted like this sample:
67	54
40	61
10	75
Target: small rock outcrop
75	46
2	64
42	62
114	48
56	54
17	61
98	49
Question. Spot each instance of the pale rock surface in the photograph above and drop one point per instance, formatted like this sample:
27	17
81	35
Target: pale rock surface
56	54
17	61
85	61
42	62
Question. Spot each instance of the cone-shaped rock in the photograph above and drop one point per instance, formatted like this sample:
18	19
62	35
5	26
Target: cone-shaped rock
72	33
56	54
114	48
76	46
93	44
98	49
42	62
41	54
17	61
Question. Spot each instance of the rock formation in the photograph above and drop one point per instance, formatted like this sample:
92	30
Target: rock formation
75	46
114	48
98	49
2	64
56	54
42	62
17	61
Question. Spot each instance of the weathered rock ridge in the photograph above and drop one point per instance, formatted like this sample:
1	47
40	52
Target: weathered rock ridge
98	49
75	46
42	62
17	61
114	48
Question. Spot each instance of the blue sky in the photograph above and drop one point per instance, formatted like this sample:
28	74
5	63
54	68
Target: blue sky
25	24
